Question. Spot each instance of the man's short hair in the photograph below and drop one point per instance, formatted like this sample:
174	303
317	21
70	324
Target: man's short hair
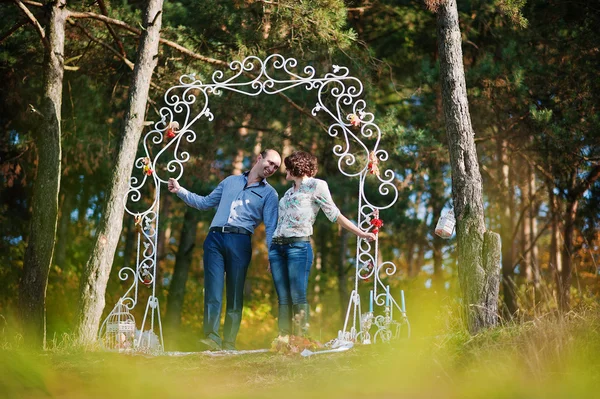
263	153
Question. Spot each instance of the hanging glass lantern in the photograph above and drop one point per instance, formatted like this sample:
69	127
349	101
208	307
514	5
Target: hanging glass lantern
445	225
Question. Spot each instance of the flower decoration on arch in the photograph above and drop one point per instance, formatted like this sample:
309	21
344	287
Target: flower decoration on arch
147	167
376	222
373	164
354	120
172	129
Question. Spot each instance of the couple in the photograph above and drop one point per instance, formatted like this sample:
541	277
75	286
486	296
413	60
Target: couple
242	202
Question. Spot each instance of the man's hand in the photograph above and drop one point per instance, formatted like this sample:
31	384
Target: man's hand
173	185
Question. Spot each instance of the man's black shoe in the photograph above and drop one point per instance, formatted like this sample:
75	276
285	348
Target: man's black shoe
210	344
229	347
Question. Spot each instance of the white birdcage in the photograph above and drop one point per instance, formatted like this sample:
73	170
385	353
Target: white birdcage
445	225
118	331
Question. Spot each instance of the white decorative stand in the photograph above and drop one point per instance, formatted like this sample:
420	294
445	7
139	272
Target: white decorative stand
357	150
118	330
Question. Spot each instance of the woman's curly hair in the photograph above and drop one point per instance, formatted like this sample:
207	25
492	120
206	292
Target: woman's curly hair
301	163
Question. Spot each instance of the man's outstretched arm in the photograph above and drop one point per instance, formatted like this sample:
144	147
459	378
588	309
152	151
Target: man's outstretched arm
194	200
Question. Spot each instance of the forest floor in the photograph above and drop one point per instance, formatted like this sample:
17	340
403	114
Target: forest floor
545	357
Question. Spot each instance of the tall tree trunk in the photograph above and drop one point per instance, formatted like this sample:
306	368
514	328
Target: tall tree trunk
436	195
44	202
409	254
420	257
84	204
238	159
162	240
533	232
506	229
436	184
97	270
575	192
564	281
238	162
411	257
322	248
130	242
555	241
478	250
342	274
526	270
438	276
62	234
164	233
183	261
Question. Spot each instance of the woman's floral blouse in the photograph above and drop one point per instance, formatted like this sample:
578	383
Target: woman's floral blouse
298	208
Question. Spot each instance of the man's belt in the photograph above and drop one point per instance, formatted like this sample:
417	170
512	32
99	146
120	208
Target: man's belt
289	240
230	230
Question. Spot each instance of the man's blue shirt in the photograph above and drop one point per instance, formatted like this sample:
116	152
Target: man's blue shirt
238	205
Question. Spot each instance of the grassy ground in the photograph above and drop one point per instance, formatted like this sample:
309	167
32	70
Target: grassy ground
546	357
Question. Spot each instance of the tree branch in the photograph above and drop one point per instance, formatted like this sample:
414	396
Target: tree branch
35	23
522	215
522	256
404	184
33	3
106	46
360	10
587	182
15	28
25	149
184	50
111	30
536	165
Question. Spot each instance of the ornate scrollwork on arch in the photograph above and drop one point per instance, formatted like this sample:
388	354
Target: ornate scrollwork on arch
338	97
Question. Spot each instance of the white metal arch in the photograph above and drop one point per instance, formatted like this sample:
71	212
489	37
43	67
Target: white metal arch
358	154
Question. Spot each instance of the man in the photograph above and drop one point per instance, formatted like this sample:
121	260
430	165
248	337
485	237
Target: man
242	202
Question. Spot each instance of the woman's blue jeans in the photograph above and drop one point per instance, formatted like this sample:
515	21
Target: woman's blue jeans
290	267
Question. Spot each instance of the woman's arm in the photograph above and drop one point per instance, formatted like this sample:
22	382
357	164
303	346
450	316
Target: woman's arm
348	225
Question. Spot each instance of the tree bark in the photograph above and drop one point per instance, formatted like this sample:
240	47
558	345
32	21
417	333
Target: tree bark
162	243
62	234
576	191
477	265
555	241
164	233
564	281
492	249
44	202
411	256
525	255
506	229
533	232
96	273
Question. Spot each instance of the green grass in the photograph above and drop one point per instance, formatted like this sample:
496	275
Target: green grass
546	357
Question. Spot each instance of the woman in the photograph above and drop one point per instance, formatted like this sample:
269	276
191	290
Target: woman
290	254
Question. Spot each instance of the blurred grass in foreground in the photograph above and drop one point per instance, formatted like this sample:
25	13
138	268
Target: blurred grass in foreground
549	356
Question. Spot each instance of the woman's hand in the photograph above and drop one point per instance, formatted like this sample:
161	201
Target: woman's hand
348	225
368	236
